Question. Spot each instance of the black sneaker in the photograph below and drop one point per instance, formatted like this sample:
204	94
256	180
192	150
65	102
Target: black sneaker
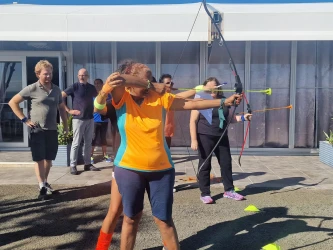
42	194
90	167
74	170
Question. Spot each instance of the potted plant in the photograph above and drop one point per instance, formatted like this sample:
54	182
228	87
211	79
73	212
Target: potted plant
64	144
326	149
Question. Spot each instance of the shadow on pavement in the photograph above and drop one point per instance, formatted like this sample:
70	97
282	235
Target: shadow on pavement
67	213
252	232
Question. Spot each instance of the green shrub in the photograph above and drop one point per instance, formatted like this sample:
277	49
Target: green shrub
65	139
329	138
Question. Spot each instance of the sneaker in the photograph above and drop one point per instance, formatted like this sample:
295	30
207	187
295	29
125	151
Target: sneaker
74	170
90	167
107	158
42	194
206	199
233	195
49	189
92	160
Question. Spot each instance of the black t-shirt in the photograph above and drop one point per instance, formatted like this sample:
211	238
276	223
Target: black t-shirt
203	126
82	95
111	113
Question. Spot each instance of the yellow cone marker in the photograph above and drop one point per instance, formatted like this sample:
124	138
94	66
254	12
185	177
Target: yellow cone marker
252	208
271	246
237	189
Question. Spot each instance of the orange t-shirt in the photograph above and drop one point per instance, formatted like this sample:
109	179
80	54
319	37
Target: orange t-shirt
141	127
169	127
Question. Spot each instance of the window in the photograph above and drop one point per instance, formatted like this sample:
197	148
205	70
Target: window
270	68
185	70
218	66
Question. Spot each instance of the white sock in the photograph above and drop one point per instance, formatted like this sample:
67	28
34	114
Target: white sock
41	184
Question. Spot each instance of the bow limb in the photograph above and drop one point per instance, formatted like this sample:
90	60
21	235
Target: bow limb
238	83
247	129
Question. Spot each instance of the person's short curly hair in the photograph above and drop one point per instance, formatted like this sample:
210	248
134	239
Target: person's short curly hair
42	64
130	67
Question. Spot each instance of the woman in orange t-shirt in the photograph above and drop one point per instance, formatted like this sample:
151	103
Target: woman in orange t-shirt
143	162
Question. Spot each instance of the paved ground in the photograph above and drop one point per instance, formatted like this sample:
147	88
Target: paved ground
294	219
293	193
259	171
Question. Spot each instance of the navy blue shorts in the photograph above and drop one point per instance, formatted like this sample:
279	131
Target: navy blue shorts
159	185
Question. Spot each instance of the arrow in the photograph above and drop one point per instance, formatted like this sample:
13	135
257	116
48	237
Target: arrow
264	110
264	91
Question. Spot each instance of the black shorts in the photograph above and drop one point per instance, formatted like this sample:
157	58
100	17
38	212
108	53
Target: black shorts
112	115
44	144
132	185
100	131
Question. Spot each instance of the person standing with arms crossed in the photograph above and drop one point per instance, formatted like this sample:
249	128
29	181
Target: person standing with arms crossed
45	99
82	94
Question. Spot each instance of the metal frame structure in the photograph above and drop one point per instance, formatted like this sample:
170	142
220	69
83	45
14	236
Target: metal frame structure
203	74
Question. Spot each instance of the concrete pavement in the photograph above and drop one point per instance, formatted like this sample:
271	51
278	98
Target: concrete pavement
255	171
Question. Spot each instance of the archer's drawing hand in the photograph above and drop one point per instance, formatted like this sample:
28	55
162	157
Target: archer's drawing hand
115	80
235	99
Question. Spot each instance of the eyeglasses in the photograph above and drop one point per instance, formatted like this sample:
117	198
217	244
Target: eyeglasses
82	75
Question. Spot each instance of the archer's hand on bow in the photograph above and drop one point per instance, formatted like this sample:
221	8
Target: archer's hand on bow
235	99
244	117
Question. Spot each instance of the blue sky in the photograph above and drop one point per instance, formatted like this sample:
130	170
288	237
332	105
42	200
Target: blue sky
129	2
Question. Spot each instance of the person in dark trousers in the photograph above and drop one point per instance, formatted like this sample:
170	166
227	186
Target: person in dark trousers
82	94
205	132
100	127
45	100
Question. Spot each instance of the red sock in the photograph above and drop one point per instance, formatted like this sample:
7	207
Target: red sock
104	241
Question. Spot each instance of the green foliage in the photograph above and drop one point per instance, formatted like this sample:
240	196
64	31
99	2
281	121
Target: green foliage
65	139
329	138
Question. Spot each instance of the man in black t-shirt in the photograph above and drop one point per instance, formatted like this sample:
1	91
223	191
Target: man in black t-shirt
82	94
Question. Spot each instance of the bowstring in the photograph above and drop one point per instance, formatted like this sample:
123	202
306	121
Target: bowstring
173	77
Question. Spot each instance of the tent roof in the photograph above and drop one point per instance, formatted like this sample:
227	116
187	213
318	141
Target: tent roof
171	22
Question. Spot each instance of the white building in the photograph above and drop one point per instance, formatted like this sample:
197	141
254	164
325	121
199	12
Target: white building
286	47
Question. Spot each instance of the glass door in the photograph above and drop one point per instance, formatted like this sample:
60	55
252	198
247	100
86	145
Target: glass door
13	133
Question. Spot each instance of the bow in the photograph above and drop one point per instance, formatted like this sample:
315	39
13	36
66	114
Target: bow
238	85
238	90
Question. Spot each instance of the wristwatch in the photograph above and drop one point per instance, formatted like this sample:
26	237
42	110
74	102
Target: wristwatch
149	84
24	119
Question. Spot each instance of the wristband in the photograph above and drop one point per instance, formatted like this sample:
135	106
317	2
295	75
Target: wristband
243	118
24	119
107	88
99	106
